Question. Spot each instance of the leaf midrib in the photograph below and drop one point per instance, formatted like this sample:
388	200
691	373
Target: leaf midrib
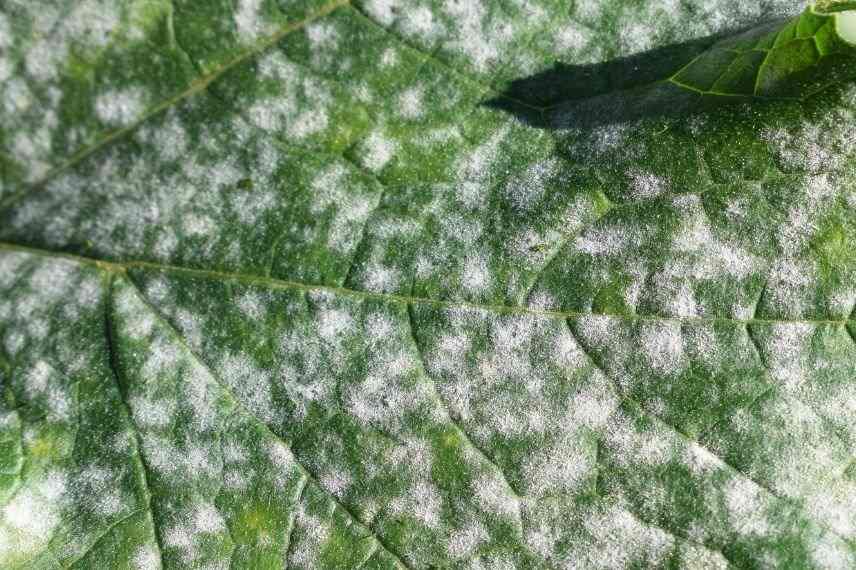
121	268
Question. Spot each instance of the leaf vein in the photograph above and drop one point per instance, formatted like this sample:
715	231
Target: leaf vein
275	283
243	408
142	468
198	85
686	437
458	427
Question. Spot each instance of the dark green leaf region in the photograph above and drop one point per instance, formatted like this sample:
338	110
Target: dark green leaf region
427	284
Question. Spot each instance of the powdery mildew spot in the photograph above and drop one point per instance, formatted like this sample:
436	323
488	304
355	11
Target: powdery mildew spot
248	20
378	150
120	108
30	518
146	558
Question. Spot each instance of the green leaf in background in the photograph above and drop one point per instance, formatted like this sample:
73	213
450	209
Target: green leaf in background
797	60
481	284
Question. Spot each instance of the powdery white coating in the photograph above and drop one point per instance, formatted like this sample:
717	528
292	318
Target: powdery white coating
608	240
193	529
663	347
377	151
478	38
787	351
633	448
120	108
349	200
410	103
475	164
248	20
95	488
715	257
571	39
29	519
645	185
494	496
43	36
476	277
17	97
422	503
336	482
562	468
814	146
527	188
313	532
289	99
463	542
790	279
382	10
251	384
253	305
619	539
153	414
746	506
183	195
147	558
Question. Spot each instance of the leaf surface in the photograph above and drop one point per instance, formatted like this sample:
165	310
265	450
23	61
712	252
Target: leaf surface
427	285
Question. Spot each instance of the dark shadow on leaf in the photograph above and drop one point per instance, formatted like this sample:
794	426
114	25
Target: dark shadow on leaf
617	91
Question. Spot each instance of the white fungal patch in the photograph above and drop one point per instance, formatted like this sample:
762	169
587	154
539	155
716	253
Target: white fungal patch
645	185
146	558
336	482
463	543
663	347
527	189
790	279
619	539
333	324
631	447
251	384
308	123
419	21
519	386
378	150
249	21
150	413
787	351
410	104
382	10
30	518
120	108
828	552
348	200
746	507
494	496
253	305
476	164
476	276
608	240
561	468
715	257
421	503
571	38
381	279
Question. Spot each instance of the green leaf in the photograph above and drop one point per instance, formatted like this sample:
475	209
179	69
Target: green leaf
385	284
794	61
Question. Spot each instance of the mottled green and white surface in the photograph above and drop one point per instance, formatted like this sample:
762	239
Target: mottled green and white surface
278	290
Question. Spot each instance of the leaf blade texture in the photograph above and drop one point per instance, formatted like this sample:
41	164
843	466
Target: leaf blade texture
385	284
